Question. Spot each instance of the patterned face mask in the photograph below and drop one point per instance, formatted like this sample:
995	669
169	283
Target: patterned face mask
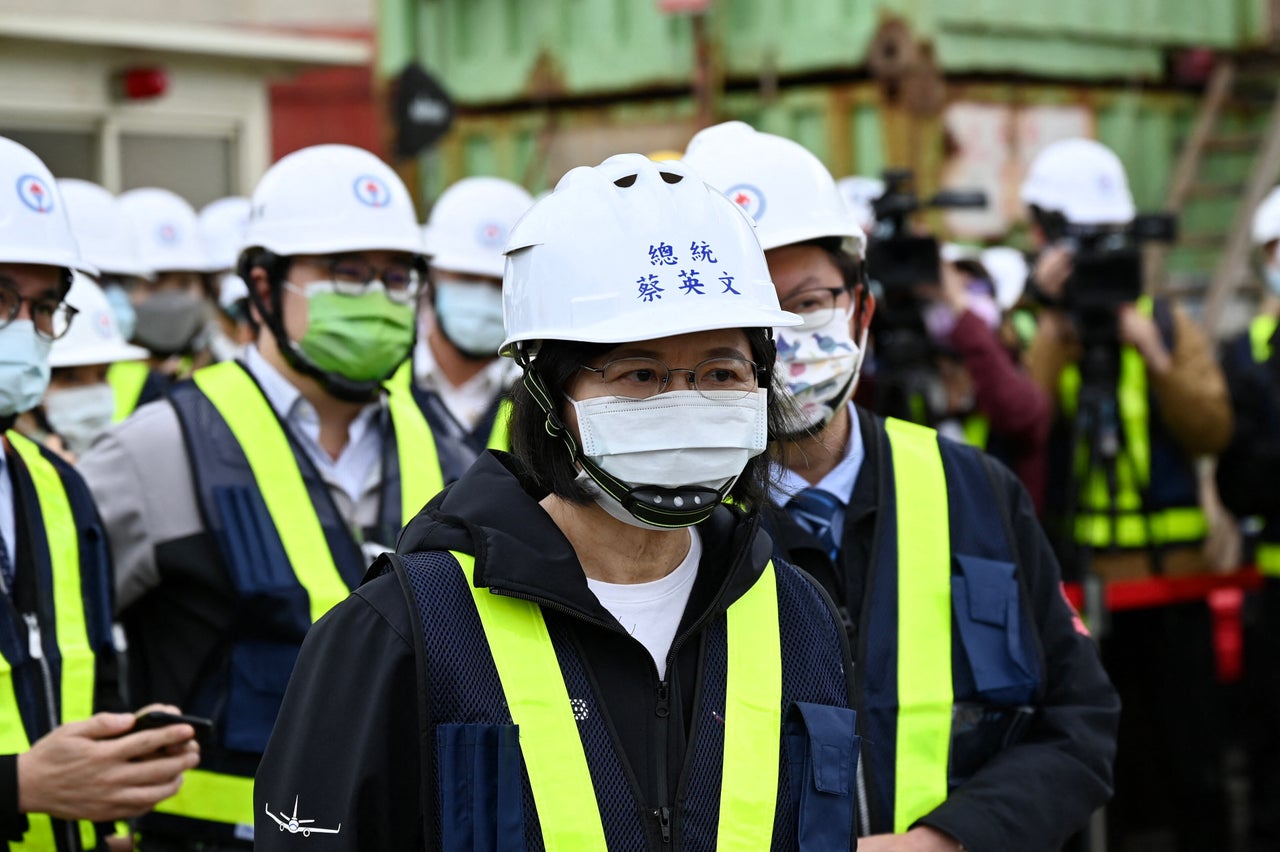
820	366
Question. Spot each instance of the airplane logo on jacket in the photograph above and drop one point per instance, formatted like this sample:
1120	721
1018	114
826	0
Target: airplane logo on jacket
293	825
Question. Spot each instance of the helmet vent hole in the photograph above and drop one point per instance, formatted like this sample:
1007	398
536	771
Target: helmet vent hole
670	178
625	182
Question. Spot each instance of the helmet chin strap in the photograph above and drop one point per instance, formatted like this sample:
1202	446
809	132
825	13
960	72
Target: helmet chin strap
668	508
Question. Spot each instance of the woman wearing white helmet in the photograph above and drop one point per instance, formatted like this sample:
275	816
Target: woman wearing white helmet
583	646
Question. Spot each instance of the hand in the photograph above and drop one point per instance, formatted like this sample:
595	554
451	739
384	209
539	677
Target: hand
1053	268
919	839
120	843
81	771
1140	332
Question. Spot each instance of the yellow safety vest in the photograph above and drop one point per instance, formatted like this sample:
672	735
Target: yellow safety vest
1261	330
499	436
977	430
1177	525
78	660
127	379
534	688
217	797
925	695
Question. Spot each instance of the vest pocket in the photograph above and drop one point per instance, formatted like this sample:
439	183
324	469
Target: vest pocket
259	675
822	755
988	614
481	787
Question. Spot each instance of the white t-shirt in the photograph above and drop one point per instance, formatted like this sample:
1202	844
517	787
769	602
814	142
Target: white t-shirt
651	612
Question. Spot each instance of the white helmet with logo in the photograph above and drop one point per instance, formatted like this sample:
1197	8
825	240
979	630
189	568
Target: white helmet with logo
34	227
94	337
104	235
222	228
332	198
1266	219
470	222
167	230
1081	179
633	249
779	183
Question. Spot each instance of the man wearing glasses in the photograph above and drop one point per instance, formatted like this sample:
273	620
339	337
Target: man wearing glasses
987	721
62	767
250	501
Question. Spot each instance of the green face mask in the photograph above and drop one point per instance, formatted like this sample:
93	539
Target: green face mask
362	338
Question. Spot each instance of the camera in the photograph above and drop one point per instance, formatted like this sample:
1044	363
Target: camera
899	262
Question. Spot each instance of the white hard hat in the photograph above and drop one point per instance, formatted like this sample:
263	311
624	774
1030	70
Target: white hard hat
1008	268
858	193
222	227
94	337
1266	219
634	250
779	183
1081	179
470	222
34	227
332	198
100	227
167	230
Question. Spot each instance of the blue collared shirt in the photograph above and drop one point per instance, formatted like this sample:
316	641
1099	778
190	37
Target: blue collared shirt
785	483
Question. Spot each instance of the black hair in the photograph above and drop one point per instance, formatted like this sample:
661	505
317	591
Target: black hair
1052	222
849	265
545	457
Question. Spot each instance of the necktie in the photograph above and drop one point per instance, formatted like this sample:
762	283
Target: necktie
815	510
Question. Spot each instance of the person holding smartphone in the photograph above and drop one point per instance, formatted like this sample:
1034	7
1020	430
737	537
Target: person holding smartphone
66	771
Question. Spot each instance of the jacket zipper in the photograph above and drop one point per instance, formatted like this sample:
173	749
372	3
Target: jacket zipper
35	650
663	728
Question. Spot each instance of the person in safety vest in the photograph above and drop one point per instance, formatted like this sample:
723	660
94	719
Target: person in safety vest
108	242
1138	397
987	721
1248	471
458	379
80	403
223	224
67	769
585	645
250	501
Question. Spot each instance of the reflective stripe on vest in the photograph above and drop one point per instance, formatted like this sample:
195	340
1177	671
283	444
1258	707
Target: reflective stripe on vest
500	435
552	748
127	379
1261	330
212	796
977	430
1093	524
1268	559
72	636
925	694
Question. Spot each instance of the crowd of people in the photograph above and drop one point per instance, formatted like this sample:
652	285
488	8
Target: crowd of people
579	523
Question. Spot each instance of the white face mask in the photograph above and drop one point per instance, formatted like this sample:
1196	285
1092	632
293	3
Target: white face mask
673	440
80	414
820	367
24	367
470	315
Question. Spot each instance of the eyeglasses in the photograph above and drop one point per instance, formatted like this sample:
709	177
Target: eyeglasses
51	317
351	276
714	378
816	307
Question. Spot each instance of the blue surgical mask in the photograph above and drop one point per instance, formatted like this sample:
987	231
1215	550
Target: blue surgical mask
470	315
24	367
126	317
1272	275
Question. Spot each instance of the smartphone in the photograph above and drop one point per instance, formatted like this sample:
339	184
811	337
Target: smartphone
159	719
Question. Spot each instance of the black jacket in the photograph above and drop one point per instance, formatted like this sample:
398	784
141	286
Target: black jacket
1032	794
1250	466
360	762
